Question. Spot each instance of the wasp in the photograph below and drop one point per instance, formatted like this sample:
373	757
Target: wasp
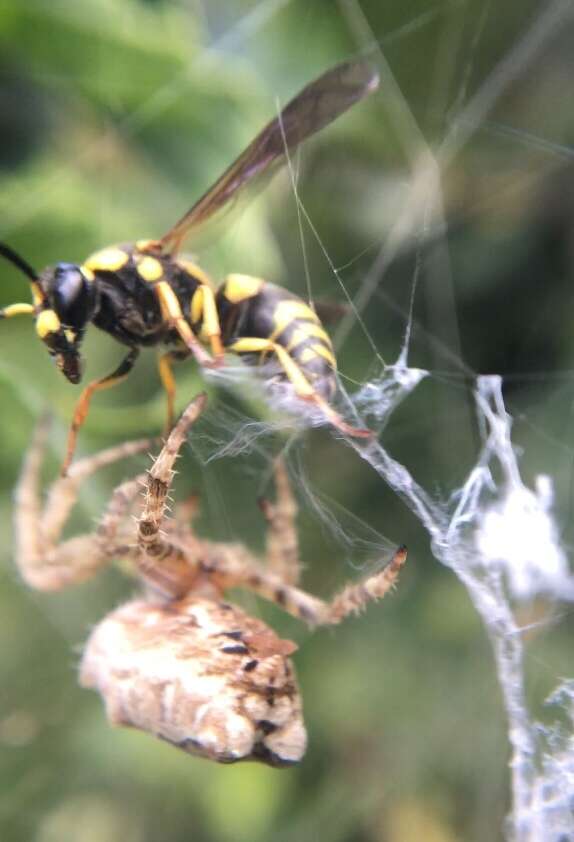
147	294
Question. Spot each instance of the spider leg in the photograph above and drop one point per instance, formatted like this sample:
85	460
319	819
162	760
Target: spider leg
28	534
42	561
63	492
176	565
233	566
115	514
282	544
355	597
163	562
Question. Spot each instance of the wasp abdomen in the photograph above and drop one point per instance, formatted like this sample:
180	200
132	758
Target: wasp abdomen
258	318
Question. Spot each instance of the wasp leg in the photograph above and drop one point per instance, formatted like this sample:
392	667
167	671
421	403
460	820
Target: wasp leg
83	405
337	421
42	561
282	544
204	310
303	389
173	315
248	345
168	381
17	310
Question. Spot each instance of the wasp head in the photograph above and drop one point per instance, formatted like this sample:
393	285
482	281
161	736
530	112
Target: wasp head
65	299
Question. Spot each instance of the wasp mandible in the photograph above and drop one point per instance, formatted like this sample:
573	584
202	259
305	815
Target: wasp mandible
146	294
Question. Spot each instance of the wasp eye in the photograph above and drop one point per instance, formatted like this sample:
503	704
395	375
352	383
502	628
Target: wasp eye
68	283
72	298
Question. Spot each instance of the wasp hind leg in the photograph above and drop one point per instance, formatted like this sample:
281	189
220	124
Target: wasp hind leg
295	375
335	419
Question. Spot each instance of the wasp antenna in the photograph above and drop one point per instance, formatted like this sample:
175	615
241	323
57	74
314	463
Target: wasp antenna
18	261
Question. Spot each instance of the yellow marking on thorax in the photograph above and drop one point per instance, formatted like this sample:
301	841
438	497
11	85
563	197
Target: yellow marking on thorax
239	288
143	245
309	354
70	335
107	260
87	273
194	270
149	268
47	322
306	330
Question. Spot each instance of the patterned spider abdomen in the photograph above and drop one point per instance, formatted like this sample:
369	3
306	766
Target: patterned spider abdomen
202	675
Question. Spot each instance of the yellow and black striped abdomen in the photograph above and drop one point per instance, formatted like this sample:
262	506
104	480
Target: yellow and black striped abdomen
250	308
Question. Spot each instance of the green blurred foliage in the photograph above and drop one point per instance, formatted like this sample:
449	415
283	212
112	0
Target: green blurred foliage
114	116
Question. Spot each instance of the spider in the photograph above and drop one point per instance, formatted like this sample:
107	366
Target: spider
178	661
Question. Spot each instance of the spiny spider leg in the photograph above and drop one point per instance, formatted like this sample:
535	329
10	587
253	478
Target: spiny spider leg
42	562
115	514
282	544
64	490
164	562
176	566
231	565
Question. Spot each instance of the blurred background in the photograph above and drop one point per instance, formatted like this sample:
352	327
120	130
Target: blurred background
114	116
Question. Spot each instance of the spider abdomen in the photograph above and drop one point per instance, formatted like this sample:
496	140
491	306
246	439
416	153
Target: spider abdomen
202	675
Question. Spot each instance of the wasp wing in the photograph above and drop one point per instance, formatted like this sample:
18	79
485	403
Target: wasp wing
317	105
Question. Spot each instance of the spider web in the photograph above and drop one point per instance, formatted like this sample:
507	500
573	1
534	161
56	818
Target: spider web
496	528
496	531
